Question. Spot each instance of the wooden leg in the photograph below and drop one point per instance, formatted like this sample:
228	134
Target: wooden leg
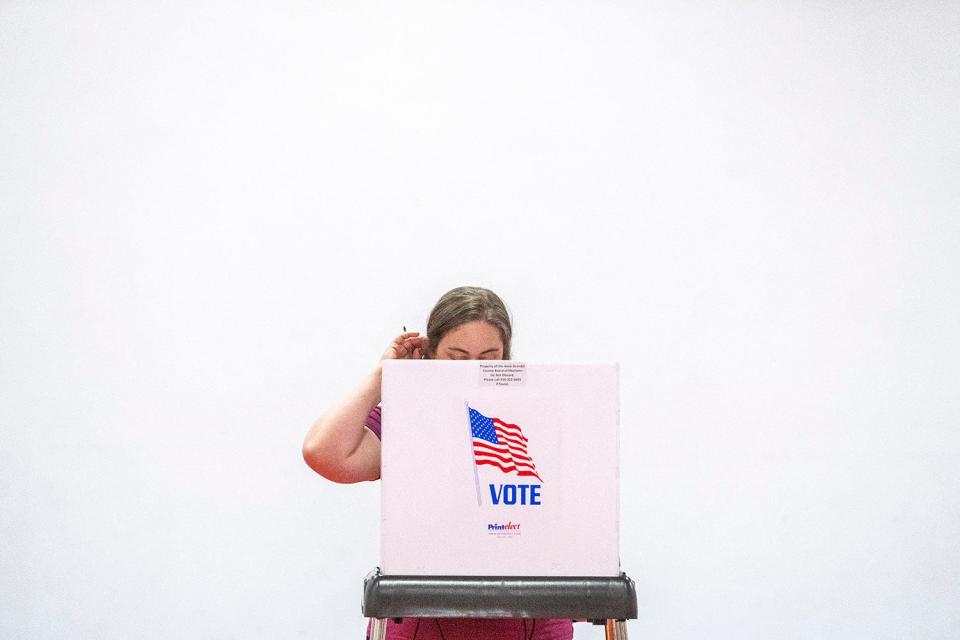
616	630
378	630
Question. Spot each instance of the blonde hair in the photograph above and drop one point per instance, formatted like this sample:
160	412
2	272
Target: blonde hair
468	304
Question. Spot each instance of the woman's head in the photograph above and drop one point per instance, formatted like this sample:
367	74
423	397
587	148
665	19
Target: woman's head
469	323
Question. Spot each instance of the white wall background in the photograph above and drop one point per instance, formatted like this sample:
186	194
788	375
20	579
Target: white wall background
214	218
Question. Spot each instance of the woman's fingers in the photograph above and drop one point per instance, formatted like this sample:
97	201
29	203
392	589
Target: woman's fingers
406	345
412	347
420	348
405	341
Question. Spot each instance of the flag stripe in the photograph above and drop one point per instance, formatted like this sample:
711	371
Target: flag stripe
509	427
506	454
508	450
483	447
503	446
519	463
514	441
508	469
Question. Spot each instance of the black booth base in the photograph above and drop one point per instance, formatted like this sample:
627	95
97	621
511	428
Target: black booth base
601	598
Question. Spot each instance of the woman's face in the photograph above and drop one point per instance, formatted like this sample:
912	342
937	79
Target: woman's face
476	340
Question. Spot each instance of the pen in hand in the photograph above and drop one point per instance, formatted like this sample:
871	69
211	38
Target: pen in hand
417	351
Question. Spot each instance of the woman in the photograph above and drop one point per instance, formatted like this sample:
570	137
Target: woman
343	445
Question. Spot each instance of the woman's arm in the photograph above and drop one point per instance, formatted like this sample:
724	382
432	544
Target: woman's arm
338	446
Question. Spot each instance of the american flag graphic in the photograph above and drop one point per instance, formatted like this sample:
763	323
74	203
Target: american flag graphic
502	445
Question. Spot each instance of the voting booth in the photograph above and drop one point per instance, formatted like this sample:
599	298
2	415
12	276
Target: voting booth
500	493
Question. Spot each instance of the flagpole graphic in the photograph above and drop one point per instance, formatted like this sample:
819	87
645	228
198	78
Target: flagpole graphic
476	474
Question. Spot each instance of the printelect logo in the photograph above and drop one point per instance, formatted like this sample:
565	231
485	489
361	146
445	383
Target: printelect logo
503	527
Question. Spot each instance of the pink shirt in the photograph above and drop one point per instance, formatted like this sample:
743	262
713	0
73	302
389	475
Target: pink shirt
471	628
478	629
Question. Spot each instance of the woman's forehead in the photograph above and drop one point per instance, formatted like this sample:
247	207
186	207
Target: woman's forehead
475	334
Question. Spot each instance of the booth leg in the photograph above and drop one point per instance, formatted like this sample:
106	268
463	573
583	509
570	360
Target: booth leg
378	630
616	630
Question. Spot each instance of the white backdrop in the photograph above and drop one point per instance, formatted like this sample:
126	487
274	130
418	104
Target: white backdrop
215	217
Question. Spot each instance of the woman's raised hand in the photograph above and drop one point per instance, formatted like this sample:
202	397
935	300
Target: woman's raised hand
408	345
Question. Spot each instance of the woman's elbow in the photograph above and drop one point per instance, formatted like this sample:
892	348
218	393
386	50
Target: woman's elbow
319	459
311	455
316	447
